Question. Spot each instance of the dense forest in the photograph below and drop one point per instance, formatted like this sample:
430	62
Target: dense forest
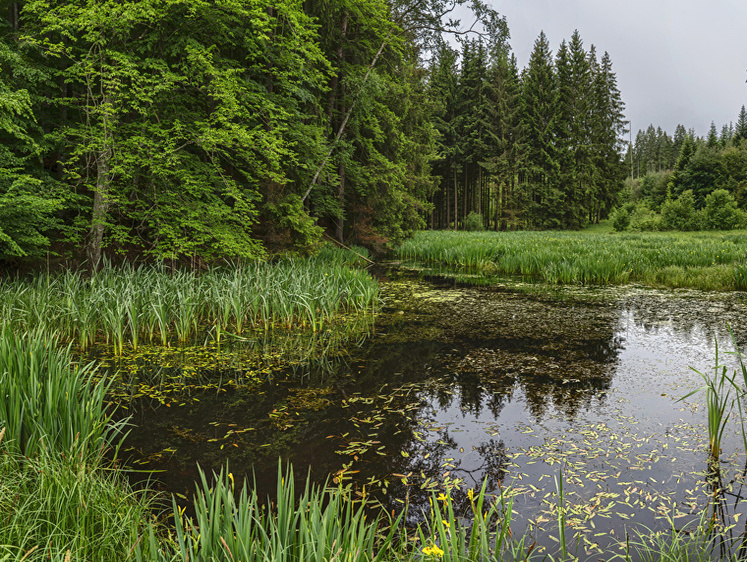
192	130
686	182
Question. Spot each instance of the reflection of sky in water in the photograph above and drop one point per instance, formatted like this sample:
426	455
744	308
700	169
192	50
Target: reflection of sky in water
625	443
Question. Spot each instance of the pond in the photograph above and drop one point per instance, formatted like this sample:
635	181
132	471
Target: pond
521	384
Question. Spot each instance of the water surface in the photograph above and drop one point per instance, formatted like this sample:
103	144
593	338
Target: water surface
518	383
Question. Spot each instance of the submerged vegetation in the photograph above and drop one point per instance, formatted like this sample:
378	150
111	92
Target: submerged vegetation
710	261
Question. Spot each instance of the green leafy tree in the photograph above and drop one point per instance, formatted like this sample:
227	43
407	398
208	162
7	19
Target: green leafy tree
721	212
28	198
179	116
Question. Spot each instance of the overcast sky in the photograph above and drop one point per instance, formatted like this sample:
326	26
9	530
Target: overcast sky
676	61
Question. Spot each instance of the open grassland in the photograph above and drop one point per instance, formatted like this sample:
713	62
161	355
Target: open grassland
126	306
701	260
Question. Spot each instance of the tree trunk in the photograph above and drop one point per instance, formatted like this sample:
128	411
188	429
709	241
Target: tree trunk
456	203
341	201
101	195
100	208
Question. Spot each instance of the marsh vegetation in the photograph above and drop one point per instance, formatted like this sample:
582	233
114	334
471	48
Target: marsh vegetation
509	420
702	260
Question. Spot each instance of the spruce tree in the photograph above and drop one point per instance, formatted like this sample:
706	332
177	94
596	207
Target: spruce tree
540	164
740	130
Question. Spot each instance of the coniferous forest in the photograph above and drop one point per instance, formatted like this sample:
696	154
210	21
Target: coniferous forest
192	130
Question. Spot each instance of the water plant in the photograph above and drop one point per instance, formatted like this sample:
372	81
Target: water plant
316	525
711	261
49	402
719	403
122	306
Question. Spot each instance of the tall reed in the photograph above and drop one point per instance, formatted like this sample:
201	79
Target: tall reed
122	306
48	402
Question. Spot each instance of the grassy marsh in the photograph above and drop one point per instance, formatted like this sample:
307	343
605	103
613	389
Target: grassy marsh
124	307
699	260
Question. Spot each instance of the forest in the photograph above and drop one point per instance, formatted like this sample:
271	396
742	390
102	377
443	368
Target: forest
686	182
197	131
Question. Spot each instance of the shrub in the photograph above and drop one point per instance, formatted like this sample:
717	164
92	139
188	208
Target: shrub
721	212
621	219
644	219
473	222
680	214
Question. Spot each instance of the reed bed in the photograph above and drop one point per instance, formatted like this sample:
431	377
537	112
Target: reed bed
48	402
711	261
128	305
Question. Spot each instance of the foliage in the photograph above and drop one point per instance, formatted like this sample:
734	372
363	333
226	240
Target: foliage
680	214
540	148
721	211
474	222
27	201
621	219
644	219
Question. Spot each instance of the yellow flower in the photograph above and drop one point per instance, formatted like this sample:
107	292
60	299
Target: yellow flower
446	523
441	497
433	551
471	494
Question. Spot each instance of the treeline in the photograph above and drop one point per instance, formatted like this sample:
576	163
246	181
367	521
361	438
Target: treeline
193	130
686	182
536	149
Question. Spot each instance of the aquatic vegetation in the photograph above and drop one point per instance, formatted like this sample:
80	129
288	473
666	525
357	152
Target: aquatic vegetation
49	402
719	404
326	523
125	306
710	261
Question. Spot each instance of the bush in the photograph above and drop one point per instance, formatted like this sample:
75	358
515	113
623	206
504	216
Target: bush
680	214
621	219
473	222
721	212
644	219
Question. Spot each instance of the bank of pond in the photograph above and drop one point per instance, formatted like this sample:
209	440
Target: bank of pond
308	410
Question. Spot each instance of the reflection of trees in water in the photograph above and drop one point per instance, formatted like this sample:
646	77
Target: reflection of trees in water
701	313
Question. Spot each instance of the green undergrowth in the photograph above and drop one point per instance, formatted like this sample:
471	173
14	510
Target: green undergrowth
60	507
700	260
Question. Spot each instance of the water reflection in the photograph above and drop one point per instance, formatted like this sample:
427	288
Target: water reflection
458	383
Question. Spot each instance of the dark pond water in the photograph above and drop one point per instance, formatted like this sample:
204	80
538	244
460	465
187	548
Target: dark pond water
518	383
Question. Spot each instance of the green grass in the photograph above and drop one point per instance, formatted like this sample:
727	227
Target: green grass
702	260
55	507
126	306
